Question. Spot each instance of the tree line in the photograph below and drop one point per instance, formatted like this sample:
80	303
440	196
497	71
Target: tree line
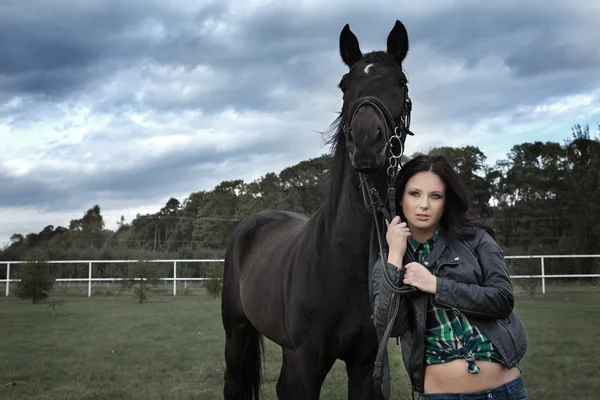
543	198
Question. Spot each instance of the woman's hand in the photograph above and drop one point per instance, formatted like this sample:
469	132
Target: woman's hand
418	276
397	238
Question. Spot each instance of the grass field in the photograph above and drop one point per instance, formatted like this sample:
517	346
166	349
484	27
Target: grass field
172	348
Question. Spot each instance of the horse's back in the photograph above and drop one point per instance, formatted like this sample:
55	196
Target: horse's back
264	242
264	225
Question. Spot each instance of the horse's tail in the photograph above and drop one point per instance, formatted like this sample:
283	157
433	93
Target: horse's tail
251	367
243	374
244	345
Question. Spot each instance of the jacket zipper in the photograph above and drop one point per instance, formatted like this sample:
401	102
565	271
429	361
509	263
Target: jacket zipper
510	334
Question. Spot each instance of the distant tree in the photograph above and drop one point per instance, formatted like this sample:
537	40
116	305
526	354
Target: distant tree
216	218
35	279
91	222
90	226
142	276
171	208
122	224
17	238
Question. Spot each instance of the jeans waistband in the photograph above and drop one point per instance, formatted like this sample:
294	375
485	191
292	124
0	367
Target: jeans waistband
513	386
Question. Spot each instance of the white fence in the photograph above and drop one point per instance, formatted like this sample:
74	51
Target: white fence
543	275
91	279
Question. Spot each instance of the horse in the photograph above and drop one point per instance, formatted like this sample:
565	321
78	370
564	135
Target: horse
303	282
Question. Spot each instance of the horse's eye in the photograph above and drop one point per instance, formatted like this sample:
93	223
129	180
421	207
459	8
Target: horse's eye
342	84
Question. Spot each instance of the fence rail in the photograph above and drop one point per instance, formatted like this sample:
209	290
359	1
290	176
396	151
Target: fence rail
91	279
543	276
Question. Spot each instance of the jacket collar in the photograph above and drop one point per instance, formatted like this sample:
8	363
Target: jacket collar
443	252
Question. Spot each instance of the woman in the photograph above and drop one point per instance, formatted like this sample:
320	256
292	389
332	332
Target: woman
460	336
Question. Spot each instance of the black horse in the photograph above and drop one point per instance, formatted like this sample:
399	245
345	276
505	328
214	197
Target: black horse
304	282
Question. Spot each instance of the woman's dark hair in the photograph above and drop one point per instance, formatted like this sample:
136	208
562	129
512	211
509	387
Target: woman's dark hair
458	217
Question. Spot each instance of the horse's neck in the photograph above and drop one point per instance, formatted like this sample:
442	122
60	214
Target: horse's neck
350	221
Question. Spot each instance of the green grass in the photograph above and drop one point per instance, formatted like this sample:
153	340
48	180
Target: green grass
172	348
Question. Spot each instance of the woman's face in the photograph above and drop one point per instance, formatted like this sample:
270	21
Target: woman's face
423	201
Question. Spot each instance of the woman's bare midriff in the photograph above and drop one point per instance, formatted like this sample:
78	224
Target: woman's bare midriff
453	377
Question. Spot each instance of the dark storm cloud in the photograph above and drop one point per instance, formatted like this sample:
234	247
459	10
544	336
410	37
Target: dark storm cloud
548	58
554	35
67	45
25	192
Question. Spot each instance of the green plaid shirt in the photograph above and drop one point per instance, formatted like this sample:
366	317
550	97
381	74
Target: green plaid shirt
445	330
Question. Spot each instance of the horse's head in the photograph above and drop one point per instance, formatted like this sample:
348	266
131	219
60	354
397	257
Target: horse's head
376	104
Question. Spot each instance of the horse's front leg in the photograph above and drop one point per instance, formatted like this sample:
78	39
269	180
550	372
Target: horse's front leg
303	372
359	368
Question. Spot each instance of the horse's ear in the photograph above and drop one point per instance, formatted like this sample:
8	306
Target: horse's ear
349	48
397	42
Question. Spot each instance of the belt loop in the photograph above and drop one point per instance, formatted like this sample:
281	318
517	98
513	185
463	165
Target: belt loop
508	390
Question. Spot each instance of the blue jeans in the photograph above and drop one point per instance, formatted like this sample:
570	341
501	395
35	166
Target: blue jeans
513	390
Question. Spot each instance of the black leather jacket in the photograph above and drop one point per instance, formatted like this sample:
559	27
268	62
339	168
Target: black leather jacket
472	279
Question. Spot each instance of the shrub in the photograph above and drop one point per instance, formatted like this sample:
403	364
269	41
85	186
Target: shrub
214	285
36	280
143	277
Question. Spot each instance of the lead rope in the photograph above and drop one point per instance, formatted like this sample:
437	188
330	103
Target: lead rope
374	204
381	364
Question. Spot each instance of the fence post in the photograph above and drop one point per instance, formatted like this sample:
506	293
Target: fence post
90	280
543	278
7	277
174	278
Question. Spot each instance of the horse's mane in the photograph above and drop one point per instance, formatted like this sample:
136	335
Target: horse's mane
335	138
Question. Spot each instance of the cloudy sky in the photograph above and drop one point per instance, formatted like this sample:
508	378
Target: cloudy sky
128	103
